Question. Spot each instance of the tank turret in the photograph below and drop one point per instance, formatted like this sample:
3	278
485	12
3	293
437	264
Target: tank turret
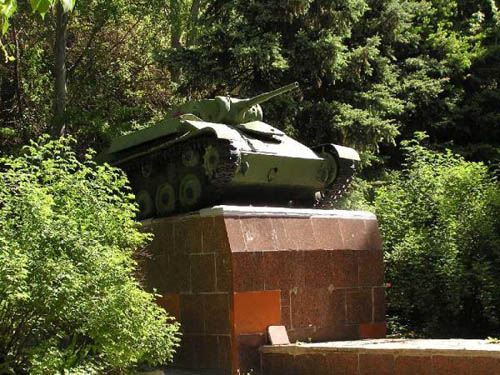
228	110
219	150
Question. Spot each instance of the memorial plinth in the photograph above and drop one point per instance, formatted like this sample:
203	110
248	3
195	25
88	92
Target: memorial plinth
228	272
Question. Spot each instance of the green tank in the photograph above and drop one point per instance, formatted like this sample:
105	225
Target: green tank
219	150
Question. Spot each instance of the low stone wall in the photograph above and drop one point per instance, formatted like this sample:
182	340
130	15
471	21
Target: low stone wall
384	357
227	273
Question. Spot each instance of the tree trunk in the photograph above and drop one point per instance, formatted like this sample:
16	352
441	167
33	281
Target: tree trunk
60	71
17	73
193	32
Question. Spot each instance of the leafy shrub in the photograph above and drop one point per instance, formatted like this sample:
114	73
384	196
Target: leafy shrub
69	302
440	220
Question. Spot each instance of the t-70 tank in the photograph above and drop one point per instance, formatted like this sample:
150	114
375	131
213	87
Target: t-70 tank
218	150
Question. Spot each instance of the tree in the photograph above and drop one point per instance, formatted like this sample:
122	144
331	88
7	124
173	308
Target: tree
439	218
69	300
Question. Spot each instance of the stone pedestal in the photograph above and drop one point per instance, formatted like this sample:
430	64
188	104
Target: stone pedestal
227	273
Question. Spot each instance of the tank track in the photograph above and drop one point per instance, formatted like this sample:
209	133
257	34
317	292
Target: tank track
340	186
169	155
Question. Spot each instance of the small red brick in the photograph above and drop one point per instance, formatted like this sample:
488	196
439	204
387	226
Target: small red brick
327	233
235	234
343	363
380	364
412	365
445	365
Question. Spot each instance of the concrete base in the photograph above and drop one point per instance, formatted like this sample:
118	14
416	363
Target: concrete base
228	272
384	357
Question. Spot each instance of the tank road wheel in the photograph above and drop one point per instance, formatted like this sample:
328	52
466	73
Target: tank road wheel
211	160
190	191
146	205
165	199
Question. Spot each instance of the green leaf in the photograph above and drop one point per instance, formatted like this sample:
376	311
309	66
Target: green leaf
68	5
44	6
5	26
35	4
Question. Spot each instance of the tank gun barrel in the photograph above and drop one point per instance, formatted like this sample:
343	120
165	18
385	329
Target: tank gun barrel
244	104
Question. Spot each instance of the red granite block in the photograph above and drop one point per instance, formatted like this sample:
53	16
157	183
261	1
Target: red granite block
338	307
354	234
312	364
300	233
171	303
411	365
282	239
255	311
371	268
207	352
164	235
286	309
258	234
359	306
154	271
213	234
203	273
327	233
345	268
313	307
248	271
372	330
283	270
225	352
178	277
235	234
216	313
373	234
445	365
319	269
484	366
223	271
187	234
192	313
379	304
278	364
248	352
342	363
383	363
186	353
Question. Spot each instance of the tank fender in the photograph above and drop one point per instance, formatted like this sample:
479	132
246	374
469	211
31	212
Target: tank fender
220	130
342	151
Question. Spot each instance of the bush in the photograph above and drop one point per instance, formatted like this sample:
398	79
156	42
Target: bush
69	302
440	220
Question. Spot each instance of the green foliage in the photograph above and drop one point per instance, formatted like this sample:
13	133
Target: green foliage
69	301
440	220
